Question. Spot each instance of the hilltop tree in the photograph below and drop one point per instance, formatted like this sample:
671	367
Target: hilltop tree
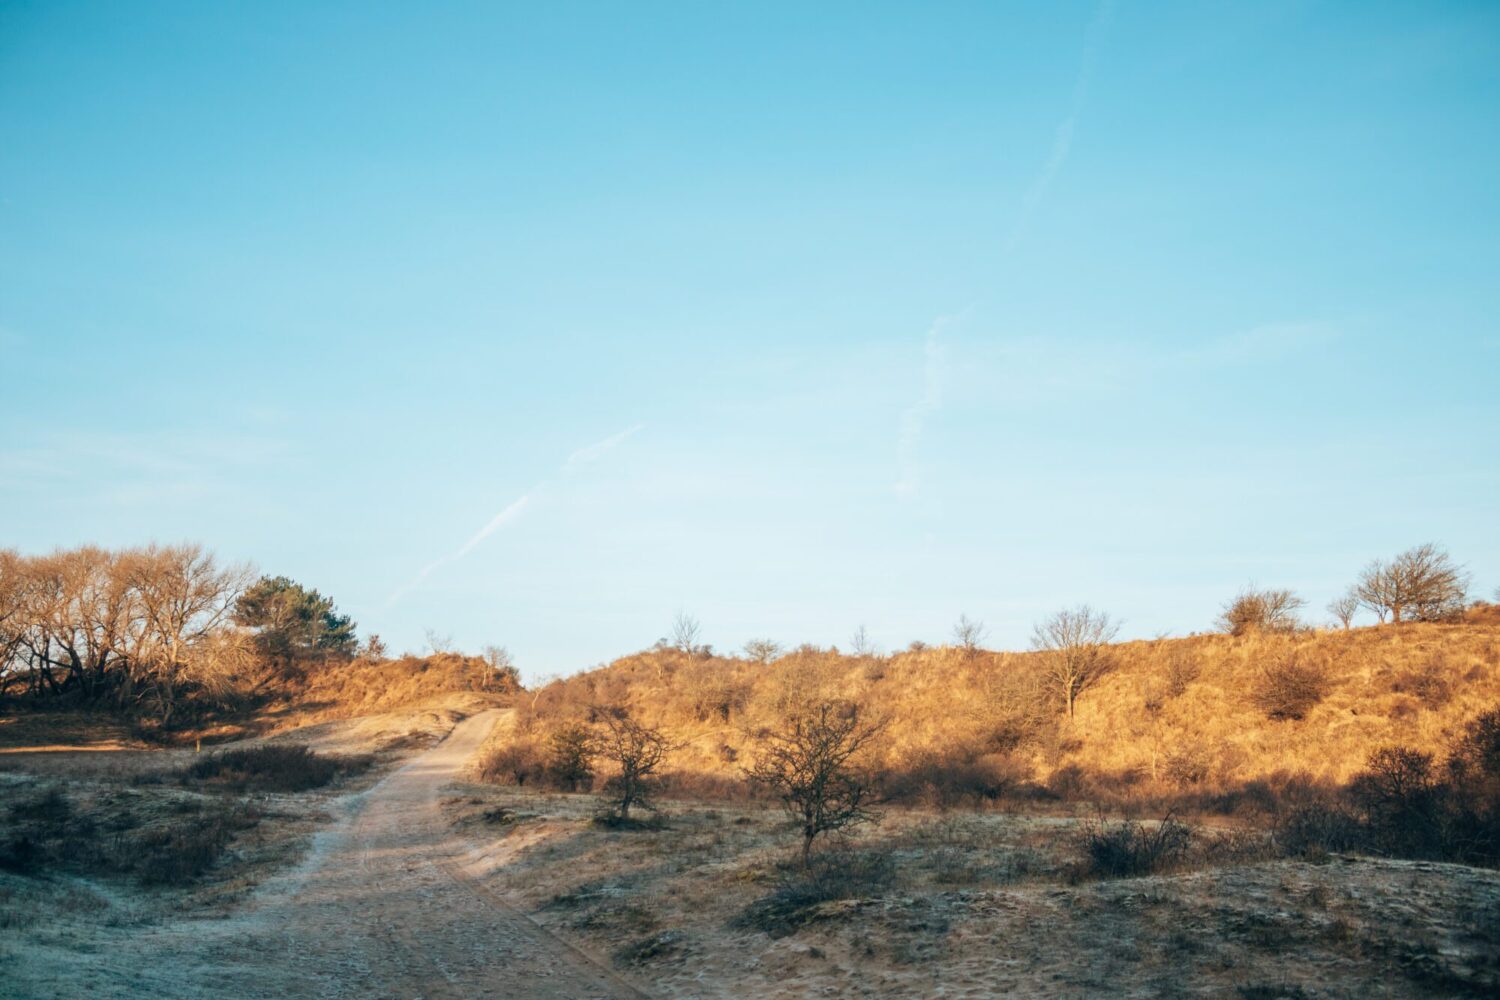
762	651
810	766
293	621
969	634
502	668
1073	646
1261	611
1422	582
1344	607
685	632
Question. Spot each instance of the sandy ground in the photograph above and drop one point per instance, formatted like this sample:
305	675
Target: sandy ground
381	906
427	885
981	906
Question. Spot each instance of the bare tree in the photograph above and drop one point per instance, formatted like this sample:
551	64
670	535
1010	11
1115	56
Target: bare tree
1255	610
762	651
860	644
969	634
1344	608
502	668
810	765
1421	581
437	642
184	601
685	632
1073	646
639	751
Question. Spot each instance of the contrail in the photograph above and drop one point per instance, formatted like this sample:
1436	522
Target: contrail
1062	138
914	417
508	514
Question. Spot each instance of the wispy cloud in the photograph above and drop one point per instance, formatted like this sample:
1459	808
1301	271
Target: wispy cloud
914	417
593	452
508	514
1062	136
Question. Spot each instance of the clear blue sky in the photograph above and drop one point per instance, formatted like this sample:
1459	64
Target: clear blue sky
537	323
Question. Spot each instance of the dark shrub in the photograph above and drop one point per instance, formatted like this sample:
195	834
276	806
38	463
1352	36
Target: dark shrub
273	768
570	758
1314	830
513	764
1129	849
800	892
1289	690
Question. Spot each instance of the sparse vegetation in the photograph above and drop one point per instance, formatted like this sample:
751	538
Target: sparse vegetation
273	768
811	765
1261	611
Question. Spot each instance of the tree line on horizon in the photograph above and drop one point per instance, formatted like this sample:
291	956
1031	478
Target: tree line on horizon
138	628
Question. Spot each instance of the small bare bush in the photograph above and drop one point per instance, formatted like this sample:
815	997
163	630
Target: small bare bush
1289	689
513	764
802	891
1314	830
1130	850
1261	611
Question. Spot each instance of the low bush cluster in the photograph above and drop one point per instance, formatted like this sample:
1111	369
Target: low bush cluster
47	832
274	768
801	891
1129	849
1407	804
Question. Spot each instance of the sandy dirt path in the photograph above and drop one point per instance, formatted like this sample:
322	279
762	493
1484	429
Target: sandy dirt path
382	907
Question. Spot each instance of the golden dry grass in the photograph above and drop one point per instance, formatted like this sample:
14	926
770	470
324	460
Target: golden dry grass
1173	714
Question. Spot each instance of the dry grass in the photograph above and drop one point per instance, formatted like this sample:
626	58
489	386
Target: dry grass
975	904
1174	717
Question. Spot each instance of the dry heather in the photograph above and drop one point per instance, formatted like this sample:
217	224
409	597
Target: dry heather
362	687
1197	715
710	904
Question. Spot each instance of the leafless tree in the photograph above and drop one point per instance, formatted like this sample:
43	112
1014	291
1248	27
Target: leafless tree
762	651
860	644
1344	608
639	751
1073	644
1255	610
184	601
810	765
502	668
1423	582
969	634
685	632
437	642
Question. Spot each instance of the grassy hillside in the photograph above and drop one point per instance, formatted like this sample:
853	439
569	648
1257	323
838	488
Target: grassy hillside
1171	715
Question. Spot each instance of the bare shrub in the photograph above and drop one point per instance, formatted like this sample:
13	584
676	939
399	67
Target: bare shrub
1187	765
810	766
969	634
802	891
1129	849
1402	802
1314	830
638	751
1255	610
1289	689
515	763
1182	670
1427	682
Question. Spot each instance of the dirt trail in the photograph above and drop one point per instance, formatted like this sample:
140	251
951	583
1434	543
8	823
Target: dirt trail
382	907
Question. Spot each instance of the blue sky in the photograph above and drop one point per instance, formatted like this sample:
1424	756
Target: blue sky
536	324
